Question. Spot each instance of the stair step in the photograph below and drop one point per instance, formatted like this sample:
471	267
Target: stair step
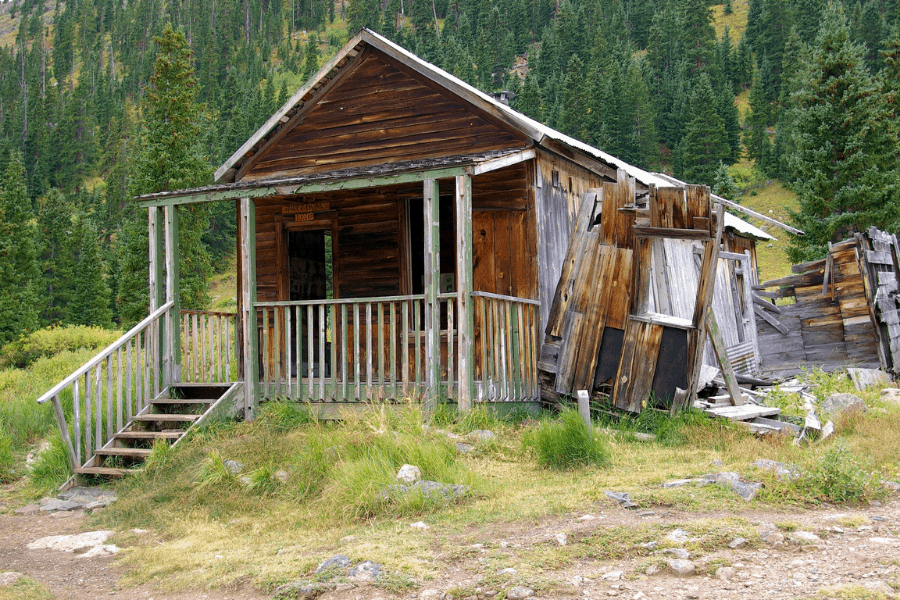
150	418
148	435
130	452
182	401
108	471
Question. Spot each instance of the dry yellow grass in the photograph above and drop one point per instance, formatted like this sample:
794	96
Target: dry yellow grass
736	21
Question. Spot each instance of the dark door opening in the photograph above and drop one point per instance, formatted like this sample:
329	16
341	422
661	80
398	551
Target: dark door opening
311	277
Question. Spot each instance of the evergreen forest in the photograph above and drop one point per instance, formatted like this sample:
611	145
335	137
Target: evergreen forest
103	100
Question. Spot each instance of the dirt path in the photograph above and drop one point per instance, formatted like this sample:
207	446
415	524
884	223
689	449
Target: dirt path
851	547
72	576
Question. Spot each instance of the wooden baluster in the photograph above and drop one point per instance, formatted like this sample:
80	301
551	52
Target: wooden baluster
298	369
265	351
128	379
404	334
309	351
368	350
419	346
356	351
276	349
322	363
88	417
110	423
381	346
76	412
119	399
345	380
288	359
98	405
393	356
451	363
481	303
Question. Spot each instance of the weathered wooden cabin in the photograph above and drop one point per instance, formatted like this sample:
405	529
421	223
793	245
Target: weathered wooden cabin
401	235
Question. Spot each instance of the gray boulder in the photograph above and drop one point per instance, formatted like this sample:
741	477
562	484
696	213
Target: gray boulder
338	561
783	471
733	481
364	572
836	404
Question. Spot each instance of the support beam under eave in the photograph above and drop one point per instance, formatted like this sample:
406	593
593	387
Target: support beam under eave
431	196
248	310
465	310
156	234
173	294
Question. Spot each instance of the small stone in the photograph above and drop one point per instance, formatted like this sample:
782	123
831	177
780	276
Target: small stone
586	518
338	561
639	596
805	536
508	571
724	573
562	539
409	474
482	435
419	525
612	576
348	539
646	513
619	497
679	553
733	481
246	481
519	593
464	448
717	463
138	531
679	536
890	395
681	567
55	504
233	466
773	538
282	475
652	570
430	594
28	510
783	471
650	545
737	542
343	587
9	578
364	572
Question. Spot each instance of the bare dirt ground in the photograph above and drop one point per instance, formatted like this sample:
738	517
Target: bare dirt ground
852	547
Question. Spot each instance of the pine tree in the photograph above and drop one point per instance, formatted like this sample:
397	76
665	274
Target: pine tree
171	158
311	66
756	137
57	259
90	297
845	144
704	145
18	265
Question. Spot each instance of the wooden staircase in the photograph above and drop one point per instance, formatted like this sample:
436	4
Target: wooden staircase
167	417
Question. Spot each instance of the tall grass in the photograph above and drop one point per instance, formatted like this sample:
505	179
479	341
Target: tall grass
567	442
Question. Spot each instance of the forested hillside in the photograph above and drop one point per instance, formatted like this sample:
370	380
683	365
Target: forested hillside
646	80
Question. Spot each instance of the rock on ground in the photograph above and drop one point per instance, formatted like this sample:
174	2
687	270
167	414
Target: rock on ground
840	403
71	543
338	561
409	474
519	593
10	578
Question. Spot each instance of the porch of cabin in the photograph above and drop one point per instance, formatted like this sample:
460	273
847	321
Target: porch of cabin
366	288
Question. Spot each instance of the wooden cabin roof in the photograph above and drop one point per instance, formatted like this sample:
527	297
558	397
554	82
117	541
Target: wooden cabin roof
422	103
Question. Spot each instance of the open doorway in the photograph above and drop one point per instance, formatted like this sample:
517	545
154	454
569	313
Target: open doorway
311	277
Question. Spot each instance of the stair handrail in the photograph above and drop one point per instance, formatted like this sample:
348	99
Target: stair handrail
103	354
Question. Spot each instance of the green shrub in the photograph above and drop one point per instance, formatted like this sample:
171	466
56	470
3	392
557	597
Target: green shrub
53	340
52	468
839	476
6	456
567	442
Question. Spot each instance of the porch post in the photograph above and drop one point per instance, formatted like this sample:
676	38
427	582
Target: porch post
248	311
464	291
431	211
173	294
157	285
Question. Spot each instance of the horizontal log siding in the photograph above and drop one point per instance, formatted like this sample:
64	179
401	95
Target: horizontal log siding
380	114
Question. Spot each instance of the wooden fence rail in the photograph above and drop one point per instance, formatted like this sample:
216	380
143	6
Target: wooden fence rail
506	351
208	346
359	349
98	399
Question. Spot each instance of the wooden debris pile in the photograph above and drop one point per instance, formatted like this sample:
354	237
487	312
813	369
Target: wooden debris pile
615	329
845	310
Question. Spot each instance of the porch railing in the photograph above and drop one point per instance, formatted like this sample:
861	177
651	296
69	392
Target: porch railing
506	350
368	348
208	346
101	396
